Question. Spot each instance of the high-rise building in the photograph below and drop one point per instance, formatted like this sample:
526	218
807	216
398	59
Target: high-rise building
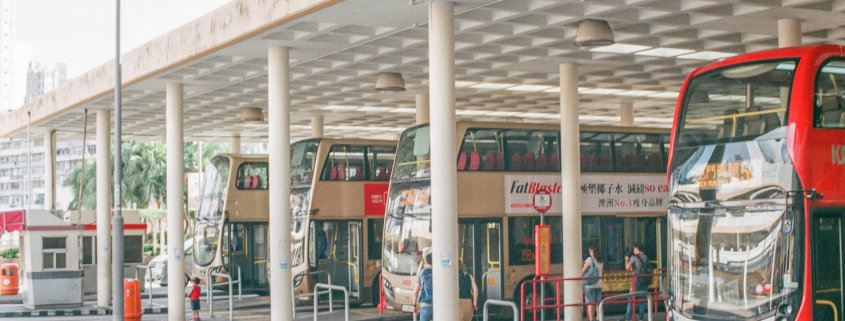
5	56
41	79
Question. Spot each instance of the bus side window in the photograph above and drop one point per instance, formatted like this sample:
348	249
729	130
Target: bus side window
829	111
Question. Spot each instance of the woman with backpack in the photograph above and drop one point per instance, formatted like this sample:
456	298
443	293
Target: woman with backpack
593	267
422	290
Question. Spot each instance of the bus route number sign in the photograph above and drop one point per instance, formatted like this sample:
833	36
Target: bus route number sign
542	201
542	244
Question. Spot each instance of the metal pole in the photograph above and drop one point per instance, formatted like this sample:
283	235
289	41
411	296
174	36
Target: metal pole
175	199
441	66
104	184
50	170
210	294
117	223
278	111
570	181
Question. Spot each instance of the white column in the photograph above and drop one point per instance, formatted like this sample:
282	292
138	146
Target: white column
317	126
278	112
570	171
235	144
789	33
175	199
626	114
444	183
104	183
50	170
422	108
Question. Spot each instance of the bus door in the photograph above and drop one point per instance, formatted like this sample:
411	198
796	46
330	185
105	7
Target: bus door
248	250
339	253
827	255
480	251
354	258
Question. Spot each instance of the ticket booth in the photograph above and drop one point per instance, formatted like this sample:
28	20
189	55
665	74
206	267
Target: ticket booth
50	261
133	243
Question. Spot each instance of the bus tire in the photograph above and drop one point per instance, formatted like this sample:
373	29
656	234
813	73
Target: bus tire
529	315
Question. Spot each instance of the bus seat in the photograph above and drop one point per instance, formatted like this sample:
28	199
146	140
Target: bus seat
555	161
528	161
542	162
604	162
239	183
500	161
474	161
359	174
462	161
583	159
247	182
726	128
652	162
341	173
489	162
333	175
832	115
389	171
592	163
382	174
754	125
256	182
516	162
428	161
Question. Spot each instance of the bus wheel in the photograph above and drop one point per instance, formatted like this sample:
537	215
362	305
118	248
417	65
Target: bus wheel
375	291
528	315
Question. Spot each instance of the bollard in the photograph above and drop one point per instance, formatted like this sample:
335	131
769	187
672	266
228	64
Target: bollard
132	300
9	279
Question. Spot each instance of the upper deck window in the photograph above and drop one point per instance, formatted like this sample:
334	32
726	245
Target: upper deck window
252	176
736	103
829	102
413	155
302	157
638	152
345	163
380	162
214	188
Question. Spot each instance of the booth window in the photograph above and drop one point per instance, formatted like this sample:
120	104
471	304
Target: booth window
89	250
133	248
54	252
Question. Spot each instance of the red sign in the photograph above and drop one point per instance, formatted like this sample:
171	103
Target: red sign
542	201
375	198
542	246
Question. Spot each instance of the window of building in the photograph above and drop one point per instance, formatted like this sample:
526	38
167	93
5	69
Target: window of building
830	98
89	250
133	248
54	253
252	176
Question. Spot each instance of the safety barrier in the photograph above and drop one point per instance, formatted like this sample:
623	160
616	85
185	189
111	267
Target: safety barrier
632	295
146	269
490	302
211	302
330	288
293	296
210	285
543	304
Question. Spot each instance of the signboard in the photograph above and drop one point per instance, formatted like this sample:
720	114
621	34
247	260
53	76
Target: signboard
375	198
542	201
542	248
600	193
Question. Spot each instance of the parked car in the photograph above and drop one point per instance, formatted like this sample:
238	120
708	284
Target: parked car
158	265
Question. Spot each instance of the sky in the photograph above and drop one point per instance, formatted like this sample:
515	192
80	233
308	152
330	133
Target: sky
80	33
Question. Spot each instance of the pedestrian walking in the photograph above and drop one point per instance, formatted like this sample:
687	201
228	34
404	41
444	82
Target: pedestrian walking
593	268
636	263
467	294
423	297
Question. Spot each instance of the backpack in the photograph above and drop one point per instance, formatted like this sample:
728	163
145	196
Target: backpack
425	292
646	271
592	272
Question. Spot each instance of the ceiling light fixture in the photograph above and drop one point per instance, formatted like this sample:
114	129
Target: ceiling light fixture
252	115
390	81
593	33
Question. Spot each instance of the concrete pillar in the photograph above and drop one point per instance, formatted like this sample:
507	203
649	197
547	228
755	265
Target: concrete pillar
104	184
444	183
278	111
317	127
422	108
626	114
50	170
175	199
789	33
234	145
570	171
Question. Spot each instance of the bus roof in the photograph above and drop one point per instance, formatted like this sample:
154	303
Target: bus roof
546	126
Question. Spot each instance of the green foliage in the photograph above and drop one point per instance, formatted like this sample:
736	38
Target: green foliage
152	213
10	253
148	250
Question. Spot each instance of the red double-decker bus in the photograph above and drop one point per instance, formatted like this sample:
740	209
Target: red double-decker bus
757	189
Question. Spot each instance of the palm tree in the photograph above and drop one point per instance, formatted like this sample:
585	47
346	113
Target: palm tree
89	186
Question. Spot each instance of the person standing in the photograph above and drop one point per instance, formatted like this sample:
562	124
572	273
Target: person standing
467	294
592	289
195	299
422	290
634	264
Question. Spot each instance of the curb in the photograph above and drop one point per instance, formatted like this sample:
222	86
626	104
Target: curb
73	312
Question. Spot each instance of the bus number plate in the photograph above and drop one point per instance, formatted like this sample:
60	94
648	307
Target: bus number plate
407	308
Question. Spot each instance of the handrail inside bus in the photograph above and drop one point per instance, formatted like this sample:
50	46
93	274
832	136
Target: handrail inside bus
832	306
737	115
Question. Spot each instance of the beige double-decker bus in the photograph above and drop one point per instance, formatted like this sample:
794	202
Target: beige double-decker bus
500	165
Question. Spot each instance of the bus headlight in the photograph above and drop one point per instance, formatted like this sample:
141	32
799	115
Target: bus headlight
388	288
297	280
784	311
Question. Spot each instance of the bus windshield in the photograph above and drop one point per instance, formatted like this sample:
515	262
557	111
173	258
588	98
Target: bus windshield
413	159
737	103
302	156
407	230
214	189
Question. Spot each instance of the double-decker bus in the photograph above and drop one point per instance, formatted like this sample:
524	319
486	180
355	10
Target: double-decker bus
756	189
500	165
231	227
338	196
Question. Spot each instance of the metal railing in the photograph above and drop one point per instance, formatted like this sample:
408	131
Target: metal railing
146	269
237	281
330	288
632	295
211	293
503	303
293	295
